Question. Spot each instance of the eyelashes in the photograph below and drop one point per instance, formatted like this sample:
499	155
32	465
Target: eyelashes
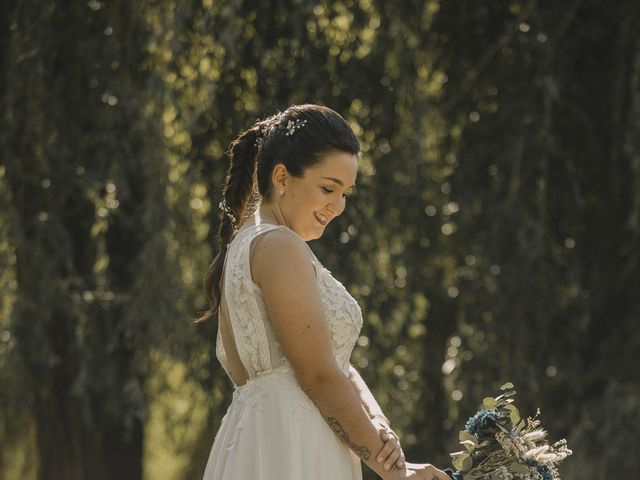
326	190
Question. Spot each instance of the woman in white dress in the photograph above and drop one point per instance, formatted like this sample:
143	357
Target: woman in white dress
286	326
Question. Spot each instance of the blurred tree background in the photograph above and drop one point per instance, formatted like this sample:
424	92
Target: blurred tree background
494	235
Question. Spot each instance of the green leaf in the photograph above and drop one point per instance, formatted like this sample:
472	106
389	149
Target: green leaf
507	386
489	403
514	415
467	463
503	427
463	462
469	445
516	467
464	436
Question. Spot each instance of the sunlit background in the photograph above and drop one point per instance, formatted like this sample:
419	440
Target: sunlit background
494	235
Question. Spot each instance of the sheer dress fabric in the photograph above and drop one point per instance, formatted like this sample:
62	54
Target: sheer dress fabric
272	430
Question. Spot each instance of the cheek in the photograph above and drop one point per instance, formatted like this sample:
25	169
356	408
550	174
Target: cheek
316	199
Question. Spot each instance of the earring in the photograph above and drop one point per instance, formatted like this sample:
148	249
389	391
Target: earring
281	191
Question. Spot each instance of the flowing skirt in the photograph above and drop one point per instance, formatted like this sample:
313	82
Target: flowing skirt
273	431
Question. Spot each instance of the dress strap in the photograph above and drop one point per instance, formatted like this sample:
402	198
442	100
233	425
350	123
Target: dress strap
270	226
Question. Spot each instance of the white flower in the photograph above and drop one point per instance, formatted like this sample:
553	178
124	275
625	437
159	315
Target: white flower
551	457
535	435
535	453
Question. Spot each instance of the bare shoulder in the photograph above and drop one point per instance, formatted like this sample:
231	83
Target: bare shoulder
279	251
284	271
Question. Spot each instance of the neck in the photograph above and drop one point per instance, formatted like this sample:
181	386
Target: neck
267	213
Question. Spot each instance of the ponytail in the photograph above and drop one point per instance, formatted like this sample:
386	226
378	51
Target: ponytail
239	199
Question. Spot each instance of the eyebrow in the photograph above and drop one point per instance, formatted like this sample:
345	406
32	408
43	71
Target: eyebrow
337	180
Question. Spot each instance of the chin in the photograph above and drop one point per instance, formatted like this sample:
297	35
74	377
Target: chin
315	236
311	236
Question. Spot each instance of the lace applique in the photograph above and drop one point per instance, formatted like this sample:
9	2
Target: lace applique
255	392
220	354
341	311
301	403
248	327
344	315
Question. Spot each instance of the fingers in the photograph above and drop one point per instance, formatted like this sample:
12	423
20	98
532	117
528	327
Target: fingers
391	455
392	459
400	463
394	435
385	451
435	474
440	475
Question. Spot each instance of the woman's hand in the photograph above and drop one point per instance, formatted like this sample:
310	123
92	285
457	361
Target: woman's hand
417	471
391	454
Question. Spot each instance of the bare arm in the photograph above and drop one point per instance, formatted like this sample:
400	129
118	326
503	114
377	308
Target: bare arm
282	269
366	397
392	451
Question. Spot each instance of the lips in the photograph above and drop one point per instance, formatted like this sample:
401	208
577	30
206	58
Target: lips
320	218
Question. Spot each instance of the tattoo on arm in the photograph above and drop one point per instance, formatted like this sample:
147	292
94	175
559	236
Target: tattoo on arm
362	452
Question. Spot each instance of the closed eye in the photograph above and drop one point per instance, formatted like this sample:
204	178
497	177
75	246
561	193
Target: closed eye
327	190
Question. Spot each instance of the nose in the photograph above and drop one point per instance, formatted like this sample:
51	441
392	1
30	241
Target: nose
334	212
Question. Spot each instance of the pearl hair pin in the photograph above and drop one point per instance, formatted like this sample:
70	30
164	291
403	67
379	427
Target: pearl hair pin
292	126
289	129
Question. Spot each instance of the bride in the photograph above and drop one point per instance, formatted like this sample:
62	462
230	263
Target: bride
286	326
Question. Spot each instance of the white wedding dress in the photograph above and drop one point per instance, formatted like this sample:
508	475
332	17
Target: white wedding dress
272	430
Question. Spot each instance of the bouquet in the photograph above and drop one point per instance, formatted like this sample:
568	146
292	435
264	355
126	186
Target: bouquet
499	445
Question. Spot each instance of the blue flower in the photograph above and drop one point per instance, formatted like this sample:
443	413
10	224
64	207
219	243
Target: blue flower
483	423
545	472
454	475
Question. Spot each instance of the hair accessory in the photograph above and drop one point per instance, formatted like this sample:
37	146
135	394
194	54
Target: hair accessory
292	126
223	206
267	126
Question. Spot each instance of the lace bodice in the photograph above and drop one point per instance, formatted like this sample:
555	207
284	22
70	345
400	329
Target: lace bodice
254	335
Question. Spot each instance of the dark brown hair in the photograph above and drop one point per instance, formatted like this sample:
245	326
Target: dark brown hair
255	153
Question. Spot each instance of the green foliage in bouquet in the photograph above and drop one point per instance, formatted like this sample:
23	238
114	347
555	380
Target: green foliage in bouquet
500	445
